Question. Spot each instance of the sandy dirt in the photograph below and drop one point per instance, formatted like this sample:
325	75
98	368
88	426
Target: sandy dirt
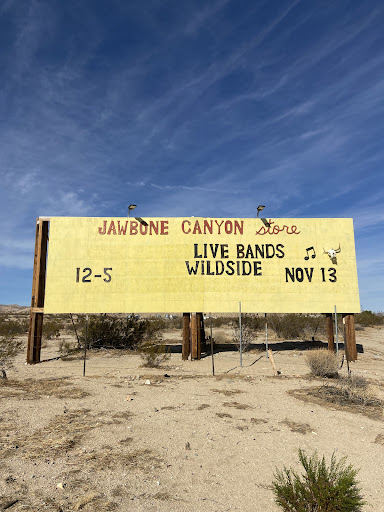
176	438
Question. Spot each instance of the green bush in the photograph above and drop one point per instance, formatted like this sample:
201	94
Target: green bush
321	488
106	331
369	319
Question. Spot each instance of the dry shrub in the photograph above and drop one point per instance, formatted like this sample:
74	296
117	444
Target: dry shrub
353	390
154	355
250	325
220	337
107	331
68	349
10	327
175	322
293	326
247	335
369	319
322	363
9	348
52	328
339	397
220	321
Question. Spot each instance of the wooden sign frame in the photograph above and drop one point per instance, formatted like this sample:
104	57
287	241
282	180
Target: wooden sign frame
193	326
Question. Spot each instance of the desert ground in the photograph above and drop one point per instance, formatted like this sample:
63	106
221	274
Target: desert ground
176	438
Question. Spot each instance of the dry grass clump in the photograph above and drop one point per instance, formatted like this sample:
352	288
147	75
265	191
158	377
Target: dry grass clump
352	394
143	459
322	363
33	389
124	415
63	433
352	390
94	501
294	426
237	405
227	392
223	415
66	432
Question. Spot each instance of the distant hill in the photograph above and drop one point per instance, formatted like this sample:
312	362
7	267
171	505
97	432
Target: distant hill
13	308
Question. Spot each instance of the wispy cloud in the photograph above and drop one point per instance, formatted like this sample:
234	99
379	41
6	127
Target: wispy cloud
169	187
205	110
17	253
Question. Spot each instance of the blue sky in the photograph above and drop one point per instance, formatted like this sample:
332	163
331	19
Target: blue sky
204	108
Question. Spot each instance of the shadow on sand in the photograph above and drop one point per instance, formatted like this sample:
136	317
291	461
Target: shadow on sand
274	346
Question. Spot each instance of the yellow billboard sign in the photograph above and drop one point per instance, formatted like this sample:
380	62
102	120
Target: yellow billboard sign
156	265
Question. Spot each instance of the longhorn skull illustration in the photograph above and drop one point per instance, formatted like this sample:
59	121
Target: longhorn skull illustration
332	253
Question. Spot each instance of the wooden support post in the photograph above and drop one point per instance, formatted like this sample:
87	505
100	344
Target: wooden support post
186	347
194	343
38	292
350	347
200	333
330	336
203	338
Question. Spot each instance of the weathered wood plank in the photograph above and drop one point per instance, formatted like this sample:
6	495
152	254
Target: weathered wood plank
330	335
350	346
38	292
186	347
199	320
193	336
